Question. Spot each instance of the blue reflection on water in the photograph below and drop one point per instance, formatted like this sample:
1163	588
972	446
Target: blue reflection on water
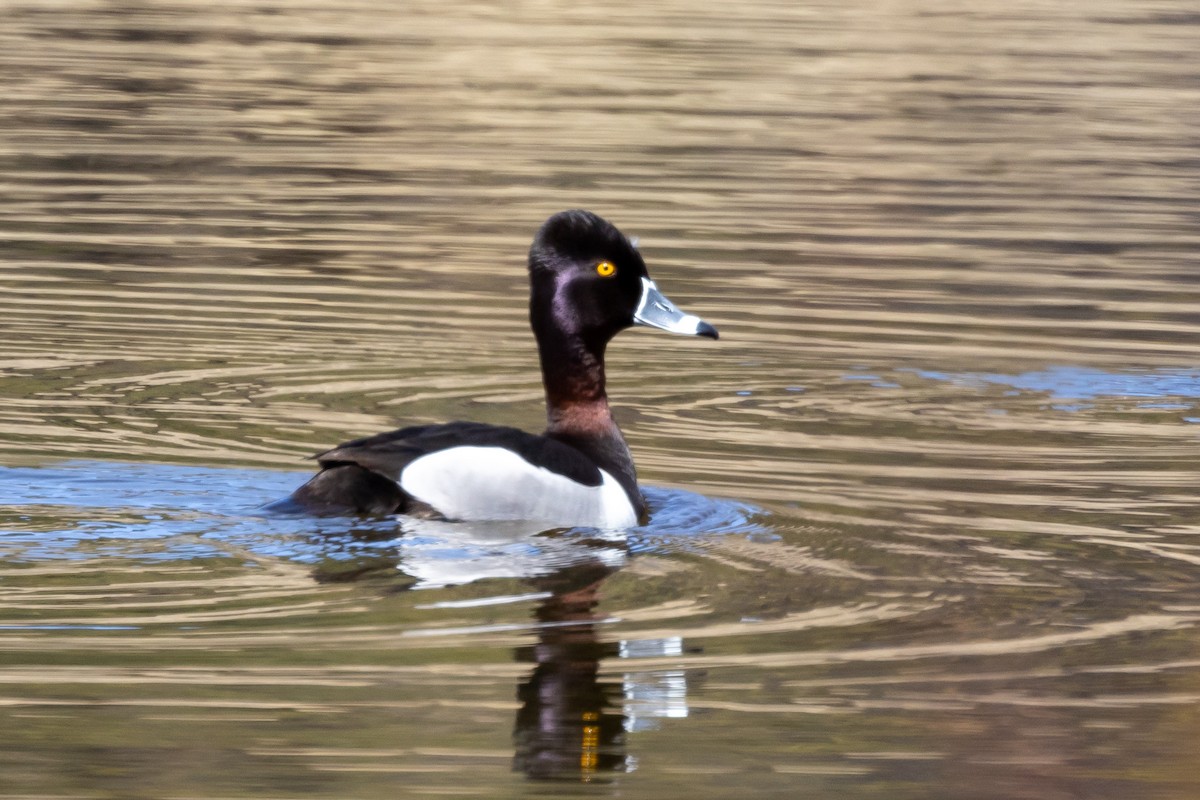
1086	383
153	512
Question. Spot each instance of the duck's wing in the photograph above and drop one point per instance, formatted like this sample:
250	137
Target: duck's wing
366	476
389	453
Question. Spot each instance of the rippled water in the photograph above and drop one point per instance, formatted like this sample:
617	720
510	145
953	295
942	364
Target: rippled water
923	520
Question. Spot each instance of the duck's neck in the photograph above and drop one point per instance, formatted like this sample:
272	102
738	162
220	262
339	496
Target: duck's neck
577	410
573	373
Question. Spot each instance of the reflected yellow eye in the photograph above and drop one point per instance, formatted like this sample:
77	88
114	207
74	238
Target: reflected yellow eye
605	269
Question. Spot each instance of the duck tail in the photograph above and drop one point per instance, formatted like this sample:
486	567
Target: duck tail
343	489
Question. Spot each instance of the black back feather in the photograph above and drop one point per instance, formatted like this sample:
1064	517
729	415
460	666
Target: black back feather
389	453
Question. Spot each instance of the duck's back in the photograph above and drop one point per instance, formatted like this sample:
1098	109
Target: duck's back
468	471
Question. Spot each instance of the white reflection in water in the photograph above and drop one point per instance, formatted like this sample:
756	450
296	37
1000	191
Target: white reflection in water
650	696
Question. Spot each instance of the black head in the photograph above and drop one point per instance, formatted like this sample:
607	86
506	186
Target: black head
588	279
585	275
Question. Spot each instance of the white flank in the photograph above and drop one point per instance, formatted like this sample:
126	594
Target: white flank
491	483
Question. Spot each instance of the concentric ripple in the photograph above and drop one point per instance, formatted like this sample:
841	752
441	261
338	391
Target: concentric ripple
923	519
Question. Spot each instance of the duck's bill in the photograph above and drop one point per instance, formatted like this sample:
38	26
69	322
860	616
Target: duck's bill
656	311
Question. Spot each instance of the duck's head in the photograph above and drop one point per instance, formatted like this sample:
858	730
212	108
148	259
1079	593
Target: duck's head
587	278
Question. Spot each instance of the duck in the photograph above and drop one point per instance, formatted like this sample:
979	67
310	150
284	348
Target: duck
588	282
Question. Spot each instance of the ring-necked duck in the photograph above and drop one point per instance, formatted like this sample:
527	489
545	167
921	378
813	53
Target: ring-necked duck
587	283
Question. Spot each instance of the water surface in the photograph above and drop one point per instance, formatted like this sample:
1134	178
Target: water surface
923	517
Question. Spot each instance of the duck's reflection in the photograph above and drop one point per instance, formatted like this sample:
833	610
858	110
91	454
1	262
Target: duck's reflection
570	725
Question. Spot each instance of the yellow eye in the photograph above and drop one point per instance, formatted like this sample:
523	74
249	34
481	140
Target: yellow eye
605	269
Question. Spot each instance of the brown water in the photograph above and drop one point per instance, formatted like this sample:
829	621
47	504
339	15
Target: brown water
925	517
